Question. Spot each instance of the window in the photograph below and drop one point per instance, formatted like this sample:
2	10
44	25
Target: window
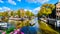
57	8
57	11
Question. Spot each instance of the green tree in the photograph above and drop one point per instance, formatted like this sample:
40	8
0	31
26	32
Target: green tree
46	9
29	14
1	13
5	14
32	14
12	13
18	13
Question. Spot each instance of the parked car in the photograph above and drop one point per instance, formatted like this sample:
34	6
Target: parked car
4	25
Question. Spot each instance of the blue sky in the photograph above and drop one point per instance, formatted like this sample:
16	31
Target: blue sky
32	5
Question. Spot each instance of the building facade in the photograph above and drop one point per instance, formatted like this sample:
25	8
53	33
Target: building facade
58	14
58	10
22	12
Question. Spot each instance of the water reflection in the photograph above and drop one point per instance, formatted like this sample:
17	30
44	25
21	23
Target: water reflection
30	29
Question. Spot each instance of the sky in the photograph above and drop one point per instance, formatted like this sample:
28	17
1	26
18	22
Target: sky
31	5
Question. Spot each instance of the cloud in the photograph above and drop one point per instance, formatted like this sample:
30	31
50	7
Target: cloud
35	11
0	8
27	9
37	1
19	0
12	2
31	1
4	9
1	1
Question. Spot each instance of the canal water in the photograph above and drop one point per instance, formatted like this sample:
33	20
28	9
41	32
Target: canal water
36	26
35	21
32	29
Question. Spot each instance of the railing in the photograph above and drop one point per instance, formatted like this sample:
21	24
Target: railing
17	19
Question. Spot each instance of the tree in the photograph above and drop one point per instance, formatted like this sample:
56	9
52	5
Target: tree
46	9
23	13
18	13
32	14
5	14
1	13
29	14
12	13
